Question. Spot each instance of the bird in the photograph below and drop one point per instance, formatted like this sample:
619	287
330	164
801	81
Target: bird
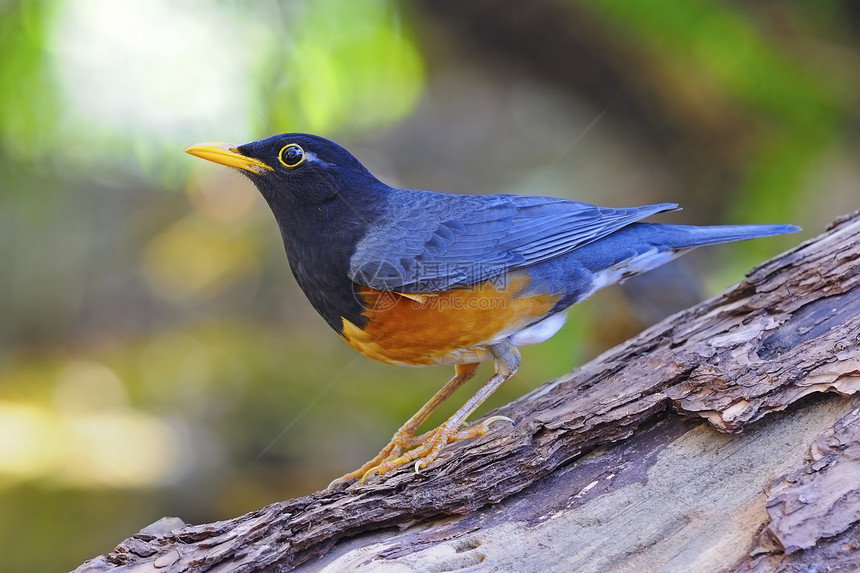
421	278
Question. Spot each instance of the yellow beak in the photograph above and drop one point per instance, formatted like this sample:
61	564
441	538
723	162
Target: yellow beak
228	155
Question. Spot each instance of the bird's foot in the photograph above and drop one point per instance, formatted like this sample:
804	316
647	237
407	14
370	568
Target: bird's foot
423	450
399	442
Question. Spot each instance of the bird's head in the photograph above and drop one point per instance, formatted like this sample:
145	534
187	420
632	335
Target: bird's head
292	169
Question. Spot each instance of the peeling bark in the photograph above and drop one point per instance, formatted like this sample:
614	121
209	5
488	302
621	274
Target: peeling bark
790	329
815	510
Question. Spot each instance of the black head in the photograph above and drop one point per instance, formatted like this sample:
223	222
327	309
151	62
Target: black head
324	201
293	169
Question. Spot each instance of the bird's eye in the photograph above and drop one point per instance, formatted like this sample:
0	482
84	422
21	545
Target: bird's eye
291	155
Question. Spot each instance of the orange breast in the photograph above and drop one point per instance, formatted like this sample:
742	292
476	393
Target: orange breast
453	327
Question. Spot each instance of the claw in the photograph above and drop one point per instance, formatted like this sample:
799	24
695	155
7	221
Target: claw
370	472
492	419
335	483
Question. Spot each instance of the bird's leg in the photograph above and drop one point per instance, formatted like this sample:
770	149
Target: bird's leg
405	438
507	360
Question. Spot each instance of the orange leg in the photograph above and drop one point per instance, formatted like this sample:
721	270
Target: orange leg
405	438
507	360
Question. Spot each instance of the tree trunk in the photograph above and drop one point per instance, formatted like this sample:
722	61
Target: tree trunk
633	462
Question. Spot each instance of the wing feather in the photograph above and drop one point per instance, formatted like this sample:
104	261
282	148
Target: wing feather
440	241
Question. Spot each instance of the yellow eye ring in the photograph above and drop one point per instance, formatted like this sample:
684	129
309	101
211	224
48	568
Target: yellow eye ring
291	155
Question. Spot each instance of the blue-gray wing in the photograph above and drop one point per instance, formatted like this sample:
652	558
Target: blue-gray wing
431	242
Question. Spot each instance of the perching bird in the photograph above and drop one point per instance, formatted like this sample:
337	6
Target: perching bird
422	278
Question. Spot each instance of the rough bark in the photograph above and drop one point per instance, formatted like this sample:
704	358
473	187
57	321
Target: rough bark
631	462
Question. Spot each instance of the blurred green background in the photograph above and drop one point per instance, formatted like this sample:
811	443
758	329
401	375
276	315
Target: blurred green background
156	356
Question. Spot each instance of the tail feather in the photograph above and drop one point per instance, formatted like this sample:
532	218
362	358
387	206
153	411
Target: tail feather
636	249
689	236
